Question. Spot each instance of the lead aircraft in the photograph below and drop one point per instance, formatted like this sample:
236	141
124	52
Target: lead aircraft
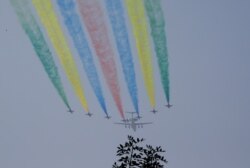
132	122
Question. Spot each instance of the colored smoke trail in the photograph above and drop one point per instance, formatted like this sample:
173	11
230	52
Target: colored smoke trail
48	17
138	21
157	24
36	37
73	24
117	19
94	20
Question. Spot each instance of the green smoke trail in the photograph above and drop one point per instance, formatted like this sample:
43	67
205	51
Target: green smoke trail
157	24
36	37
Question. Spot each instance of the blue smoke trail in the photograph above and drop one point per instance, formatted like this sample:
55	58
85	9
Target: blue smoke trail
73	24
116	16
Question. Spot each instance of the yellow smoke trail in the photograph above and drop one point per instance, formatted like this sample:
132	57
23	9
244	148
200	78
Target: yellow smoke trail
48	18
136	13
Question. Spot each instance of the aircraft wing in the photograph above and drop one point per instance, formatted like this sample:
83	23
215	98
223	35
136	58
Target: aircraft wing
145	123
121	123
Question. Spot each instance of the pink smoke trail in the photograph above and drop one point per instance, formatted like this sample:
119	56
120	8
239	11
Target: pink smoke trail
93	18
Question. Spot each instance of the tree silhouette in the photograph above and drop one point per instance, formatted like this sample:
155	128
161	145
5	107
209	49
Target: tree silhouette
131	155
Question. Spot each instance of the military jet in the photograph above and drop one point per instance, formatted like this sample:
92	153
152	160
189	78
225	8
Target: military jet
108	117
89	114
71	111
132	122
169	106
154	111
139	117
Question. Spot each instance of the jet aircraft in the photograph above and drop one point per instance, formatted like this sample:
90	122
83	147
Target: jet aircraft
154	111
169	106
108	117
139	117
71	111
132	122
89	114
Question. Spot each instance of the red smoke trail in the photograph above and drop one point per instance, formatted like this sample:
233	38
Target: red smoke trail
93	18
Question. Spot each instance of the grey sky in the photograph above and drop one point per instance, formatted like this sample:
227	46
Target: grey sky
209	72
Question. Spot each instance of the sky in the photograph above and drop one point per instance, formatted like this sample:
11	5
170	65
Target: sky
208	126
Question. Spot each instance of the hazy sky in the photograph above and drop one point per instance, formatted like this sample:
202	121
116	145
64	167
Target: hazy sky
209	73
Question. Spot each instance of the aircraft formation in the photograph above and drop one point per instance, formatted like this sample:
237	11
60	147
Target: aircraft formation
81	19
130	123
